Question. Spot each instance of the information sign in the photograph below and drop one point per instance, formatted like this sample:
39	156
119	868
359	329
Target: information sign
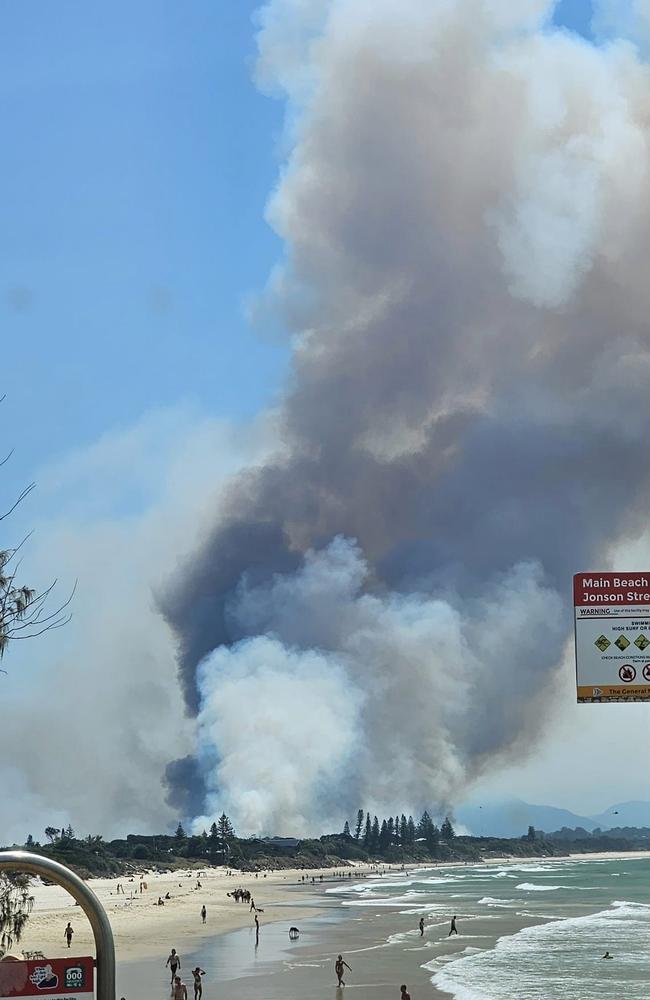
612	636
56	978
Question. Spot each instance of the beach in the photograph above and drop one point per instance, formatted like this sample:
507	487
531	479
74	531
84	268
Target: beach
370	918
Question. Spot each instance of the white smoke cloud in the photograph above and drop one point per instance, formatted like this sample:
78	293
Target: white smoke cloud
92	713
345	694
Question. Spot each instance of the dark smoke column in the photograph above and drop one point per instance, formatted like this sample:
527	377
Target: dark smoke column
463	286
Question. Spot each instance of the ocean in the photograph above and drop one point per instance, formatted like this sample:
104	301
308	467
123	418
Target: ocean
574	911
534	931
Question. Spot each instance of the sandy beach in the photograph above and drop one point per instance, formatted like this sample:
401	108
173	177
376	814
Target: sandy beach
142	929
145	932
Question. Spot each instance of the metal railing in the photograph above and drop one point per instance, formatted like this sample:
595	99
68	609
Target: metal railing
35	864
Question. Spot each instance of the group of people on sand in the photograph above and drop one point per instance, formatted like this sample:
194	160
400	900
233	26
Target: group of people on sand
240	895
179	989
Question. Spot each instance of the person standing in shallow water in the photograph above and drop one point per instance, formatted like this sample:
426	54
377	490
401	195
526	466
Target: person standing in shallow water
174	963
204	913
68	932
421	926
404	995
198	985
338	967
453	929
179	989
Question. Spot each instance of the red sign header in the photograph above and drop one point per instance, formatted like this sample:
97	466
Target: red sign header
56	978
611	588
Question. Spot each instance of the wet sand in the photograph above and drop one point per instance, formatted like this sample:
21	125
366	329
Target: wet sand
276	968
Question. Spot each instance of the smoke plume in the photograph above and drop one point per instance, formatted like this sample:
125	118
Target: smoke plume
379	610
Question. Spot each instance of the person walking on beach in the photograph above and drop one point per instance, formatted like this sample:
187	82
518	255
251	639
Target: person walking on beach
338	968
453	929
198	985
179	991
68	932
204	913
174	963
404	995
421	926
257	927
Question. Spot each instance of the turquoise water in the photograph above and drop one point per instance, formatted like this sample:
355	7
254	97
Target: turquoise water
584	908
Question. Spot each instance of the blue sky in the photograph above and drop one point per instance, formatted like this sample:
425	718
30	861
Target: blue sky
137	159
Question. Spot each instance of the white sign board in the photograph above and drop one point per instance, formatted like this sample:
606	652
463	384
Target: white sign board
612	634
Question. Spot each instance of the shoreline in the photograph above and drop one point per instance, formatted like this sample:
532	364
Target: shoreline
144	932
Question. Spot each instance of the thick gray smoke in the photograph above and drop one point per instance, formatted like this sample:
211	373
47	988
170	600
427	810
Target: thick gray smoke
378	612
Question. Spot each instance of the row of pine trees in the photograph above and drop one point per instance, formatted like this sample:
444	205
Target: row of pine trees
398	831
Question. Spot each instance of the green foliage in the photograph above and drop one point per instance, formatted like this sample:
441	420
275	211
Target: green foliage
142	852
447	831
15	906
359	826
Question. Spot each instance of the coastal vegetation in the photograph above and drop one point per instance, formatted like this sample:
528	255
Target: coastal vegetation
393	840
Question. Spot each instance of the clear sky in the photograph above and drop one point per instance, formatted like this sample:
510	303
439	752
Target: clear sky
137	159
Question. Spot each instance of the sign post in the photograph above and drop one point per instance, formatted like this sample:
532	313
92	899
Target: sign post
612	636
71	975
56	978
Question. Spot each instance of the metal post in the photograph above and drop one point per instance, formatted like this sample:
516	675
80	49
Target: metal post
35	864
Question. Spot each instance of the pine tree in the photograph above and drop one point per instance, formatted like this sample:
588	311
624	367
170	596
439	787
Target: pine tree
403	830
396	829
447	831
410	830
384	838
359	826
374	835
428	831
180	834
346	829
391	830
367	834
226	829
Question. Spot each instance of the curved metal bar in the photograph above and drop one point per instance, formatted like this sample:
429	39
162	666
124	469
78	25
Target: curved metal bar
35	864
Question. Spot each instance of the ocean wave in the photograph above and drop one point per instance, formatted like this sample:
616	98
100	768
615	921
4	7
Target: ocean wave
535	887
560	958
491	901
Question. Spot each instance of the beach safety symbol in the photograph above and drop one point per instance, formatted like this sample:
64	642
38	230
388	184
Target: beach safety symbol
603	643
642	641
622	643
646	671
627	672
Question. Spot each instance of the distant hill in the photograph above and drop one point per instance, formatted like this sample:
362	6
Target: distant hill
512	818
624	814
